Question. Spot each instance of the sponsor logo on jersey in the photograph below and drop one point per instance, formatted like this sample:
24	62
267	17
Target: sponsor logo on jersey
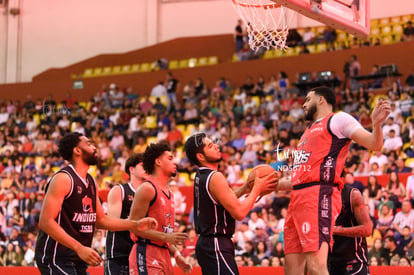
87	204
79	190
130	198
168	228
84	217
317	129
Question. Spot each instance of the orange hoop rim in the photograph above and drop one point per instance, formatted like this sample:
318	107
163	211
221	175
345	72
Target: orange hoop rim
258	6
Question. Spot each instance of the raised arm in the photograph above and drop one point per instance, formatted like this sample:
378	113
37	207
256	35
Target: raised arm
373	140
364	226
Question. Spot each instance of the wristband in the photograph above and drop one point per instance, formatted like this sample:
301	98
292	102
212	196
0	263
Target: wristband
176	254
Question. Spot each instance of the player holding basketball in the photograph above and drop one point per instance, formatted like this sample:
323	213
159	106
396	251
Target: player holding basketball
151	252
120	198
319	160
72	210
216	206
349	253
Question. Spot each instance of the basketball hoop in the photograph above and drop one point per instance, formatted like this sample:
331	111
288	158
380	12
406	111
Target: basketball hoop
267	23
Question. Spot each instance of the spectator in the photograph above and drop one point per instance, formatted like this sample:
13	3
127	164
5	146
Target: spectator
309	36
174	137
380	159
373	193
408	31
385	218
12	256
392	143
282	84
390	125
190	243
404	261
391	249
374	261
239	34
400	166
329	37
160	64
249	157
179	199
402	219
396	113
159	90
405	104
396	189
377	81
376	250
409	81
260	252
171	84
410	187
354	70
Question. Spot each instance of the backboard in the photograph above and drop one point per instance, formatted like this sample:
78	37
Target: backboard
352	16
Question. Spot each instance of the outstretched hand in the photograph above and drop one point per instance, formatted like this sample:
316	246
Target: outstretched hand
147	223
267	184
381	112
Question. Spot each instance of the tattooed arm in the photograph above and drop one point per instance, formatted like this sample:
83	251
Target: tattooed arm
364	227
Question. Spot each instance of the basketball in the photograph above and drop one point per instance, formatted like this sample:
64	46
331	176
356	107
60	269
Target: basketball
261	171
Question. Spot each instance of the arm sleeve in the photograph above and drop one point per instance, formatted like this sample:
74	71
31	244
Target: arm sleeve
344	125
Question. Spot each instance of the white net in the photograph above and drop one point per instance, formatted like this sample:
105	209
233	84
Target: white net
267	23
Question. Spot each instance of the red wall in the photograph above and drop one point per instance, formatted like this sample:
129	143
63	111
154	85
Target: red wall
383	270
58	81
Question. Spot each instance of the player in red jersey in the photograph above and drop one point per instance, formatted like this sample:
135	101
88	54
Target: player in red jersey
151	252
315	179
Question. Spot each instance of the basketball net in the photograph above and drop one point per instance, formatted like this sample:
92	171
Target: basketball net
267	23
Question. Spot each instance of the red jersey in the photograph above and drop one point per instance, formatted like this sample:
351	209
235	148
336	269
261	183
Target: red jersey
320	156
161	209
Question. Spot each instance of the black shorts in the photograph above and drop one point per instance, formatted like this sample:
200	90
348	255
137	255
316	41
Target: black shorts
117	266
62	266
337	268
216	256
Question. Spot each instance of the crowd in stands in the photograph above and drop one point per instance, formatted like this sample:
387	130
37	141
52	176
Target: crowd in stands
248	122
326	38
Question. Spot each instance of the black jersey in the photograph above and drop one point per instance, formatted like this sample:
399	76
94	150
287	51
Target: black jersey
119	244
210	217
77	217
348	249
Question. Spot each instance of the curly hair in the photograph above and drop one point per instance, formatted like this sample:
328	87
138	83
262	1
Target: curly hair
154	151
193	145
67	143
132	161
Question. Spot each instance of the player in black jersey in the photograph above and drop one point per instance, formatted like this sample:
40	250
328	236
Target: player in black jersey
120	198
216	206
71	211
349	252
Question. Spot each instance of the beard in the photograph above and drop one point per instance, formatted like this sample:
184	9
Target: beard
90	158
213	160
311	112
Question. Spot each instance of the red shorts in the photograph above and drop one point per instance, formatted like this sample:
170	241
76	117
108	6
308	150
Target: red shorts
146	259
310	218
